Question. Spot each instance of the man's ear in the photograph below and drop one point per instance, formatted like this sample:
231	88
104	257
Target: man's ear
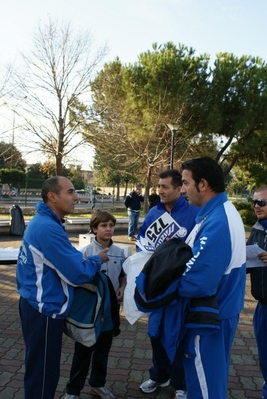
51	196
203	185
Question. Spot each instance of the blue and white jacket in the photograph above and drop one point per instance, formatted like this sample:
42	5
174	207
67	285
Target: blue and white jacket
218	265
183	213
49	266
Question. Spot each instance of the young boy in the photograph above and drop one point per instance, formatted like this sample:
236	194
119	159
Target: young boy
102	224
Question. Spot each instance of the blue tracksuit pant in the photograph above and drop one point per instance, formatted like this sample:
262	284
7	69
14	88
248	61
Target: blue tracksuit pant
163	370
43	341
206	361
260	330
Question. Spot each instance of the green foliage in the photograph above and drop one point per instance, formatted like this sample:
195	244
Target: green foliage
34	183
240	205
36	171
74	173
246	212
14	177
248	217
237	106
11	157
221	112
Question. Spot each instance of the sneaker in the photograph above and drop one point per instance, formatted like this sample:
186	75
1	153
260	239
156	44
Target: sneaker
180	394
150	385
103	392
67	396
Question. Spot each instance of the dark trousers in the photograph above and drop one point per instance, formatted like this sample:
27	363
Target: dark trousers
163	370
43	341
81	363
260	329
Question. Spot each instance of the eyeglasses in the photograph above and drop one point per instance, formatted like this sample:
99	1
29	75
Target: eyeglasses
261	202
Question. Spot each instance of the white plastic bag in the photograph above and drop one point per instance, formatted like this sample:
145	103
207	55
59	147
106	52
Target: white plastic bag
132	267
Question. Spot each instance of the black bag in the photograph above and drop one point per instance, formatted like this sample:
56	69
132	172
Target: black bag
165	265
17	226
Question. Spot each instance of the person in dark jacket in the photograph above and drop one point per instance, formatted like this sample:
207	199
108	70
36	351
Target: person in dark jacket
133	204
258	277
153	198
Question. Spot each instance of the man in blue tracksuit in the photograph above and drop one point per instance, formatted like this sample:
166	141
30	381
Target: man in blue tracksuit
258	277
177	206
48	268
218	267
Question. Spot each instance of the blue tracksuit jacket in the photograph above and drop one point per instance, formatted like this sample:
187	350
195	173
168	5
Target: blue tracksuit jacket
183	213
49	266
218	265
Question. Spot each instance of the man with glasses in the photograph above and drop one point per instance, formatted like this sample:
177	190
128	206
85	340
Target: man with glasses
258	277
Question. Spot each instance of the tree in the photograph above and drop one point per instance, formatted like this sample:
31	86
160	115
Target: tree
238	109
14	177
11	156
58	73
132	105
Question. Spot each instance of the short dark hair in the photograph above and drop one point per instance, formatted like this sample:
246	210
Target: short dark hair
262	188
101	216
52	184
208	169
174	174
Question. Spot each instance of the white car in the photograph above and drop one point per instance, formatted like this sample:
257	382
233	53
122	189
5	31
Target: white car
84	196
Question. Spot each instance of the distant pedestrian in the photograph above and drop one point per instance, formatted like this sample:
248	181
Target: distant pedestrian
153	198
133	204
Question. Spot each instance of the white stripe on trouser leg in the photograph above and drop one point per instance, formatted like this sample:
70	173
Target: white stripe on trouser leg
200	370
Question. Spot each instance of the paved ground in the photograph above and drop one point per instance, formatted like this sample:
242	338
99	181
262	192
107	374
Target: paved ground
130	356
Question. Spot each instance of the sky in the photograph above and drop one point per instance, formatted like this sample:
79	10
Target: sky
130	27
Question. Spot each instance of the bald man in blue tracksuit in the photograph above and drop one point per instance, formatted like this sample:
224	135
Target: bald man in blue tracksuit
217	268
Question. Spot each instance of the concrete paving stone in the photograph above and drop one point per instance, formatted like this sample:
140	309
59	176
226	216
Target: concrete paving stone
124	363
5	377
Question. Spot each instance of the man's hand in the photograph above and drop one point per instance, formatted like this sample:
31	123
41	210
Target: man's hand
263	257
103	255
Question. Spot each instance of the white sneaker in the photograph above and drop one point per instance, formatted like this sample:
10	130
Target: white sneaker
103	392
180	394
150	385
67	396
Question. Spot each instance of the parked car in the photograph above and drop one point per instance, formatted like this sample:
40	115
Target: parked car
84	196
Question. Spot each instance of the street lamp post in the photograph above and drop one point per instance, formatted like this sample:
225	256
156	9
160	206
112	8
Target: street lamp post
173	128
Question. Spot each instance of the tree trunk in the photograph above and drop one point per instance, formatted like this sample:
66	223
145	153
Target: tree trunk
147	188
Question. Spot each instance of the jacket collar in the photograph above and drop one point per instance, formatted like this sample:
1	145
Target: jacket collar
213	203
